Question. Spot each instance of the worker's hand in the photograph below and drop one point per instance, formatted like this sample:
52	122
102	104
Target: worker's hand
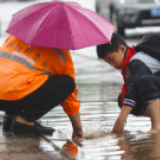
118	127
76	124
77	133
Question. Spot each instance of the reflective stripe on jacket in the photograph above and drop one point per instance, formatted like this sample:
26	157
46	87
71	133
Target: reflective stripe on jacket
25	68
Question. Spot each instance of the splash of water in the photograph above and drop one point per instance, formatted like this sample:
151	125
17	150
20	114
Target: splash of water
94	130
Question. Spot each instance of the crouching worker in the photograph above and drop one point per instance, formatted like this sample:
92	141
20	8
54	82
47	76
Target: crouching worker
34	80
141	90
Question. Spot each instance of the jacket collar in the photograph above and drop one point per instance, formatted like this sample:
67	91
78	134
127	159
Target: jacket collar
130	51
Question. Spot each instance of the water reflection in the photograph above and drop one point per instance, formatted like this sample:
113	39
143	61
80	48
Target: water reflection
71	149
140	146
26	146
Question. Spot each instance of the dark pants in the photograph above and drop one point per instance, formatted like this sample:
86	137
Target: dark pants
149	90
53	92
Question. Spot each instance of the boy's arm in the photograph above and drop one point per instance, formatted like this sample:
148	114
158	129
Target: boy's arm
119	124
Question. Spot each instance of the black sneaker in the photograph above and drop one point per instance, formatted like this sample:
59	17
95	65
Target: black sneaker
7	121
18	127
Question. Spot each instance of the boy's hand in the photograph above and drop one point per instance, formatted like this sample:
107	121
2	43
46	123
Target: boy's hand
119	125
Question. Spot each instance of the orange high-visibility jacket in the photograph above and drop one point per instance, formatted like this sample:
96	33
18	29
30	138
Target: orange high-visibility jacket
25	68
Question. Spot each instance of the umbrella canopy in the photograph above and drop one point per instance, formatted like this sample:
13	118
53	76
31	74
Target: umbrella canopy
59	24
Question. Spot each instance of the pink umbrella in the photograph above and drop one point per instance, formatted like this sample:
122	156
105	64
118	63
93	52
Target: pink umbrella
58	24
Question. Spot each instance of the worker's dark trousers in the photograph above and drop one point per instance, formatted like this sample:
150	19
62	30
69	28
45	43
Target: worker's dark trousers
53	92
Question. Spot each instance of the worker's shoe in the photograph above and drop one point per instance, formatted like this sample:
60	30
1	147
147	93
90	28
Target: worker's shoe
7	121
18	127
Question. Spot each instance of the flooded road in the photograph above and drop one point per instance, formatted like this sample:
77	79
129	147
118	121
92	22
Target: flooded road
99	86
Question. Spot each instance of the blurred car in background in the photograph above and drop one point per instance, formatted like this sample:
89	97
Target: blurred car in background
130	13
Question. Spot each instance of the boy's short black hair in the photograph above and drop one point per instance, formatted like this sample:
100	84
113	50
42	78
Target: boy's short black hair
111	47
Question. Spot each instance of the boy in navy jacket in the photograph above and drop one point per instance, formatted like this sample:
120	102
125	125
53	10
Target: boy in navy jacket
141	90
